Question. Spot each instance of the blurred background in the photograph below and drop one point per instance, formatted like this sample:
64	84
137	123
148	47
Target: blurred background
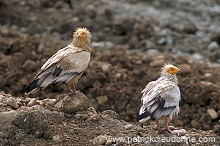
131	40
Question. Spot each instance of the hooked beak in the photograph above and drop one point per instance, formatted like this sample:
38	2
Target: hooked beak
78	36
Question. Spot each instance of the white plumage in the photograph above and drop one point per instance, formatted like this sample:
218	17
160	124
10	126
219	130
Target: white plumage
66	66
161	97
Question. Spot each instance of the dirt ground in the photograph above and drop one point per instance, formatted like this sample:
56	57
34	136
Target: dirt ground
131	41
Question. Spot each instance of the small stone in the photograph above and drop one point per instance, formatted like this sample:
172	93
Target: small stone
56	138
156	63
208	84
182	131
62	114
185	68
161	41
81	116
32	102
106	66
213	114
208	74
12	103
100	140
213	46
179	132
197	56
102	99
128	126
6	117
48	112
195	124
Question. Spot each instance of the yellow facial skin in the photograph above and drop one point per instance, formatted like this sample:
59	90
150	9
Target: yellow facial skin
81	35
173	70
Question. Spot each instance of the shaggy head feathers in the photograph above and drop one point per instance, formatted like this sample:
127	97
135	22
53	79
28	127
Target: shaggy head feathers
170	69
82	38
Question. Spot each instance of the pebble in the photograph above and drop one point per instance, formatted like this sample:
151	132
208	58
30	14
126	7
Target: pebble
179	132
213	46
100	140
213	114
197	56
7	117
161	41
106	66
12	103
102	99
62	114
81	116
49	112
128	126
56	138
208	74
156	63
32	102
100	45
195	124
185	68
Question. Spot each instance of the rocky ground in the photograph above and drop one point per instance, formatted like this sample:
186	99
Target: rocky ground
131	41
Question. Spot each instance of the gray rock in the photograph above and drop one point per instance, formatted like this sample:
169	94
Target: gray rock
56	138
32	102
161	41
180	132
102	99
33	122
185	68
197	56
73	103
6	117
12	103
213	114
128	126
62	114
100	140
213	46
48	112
